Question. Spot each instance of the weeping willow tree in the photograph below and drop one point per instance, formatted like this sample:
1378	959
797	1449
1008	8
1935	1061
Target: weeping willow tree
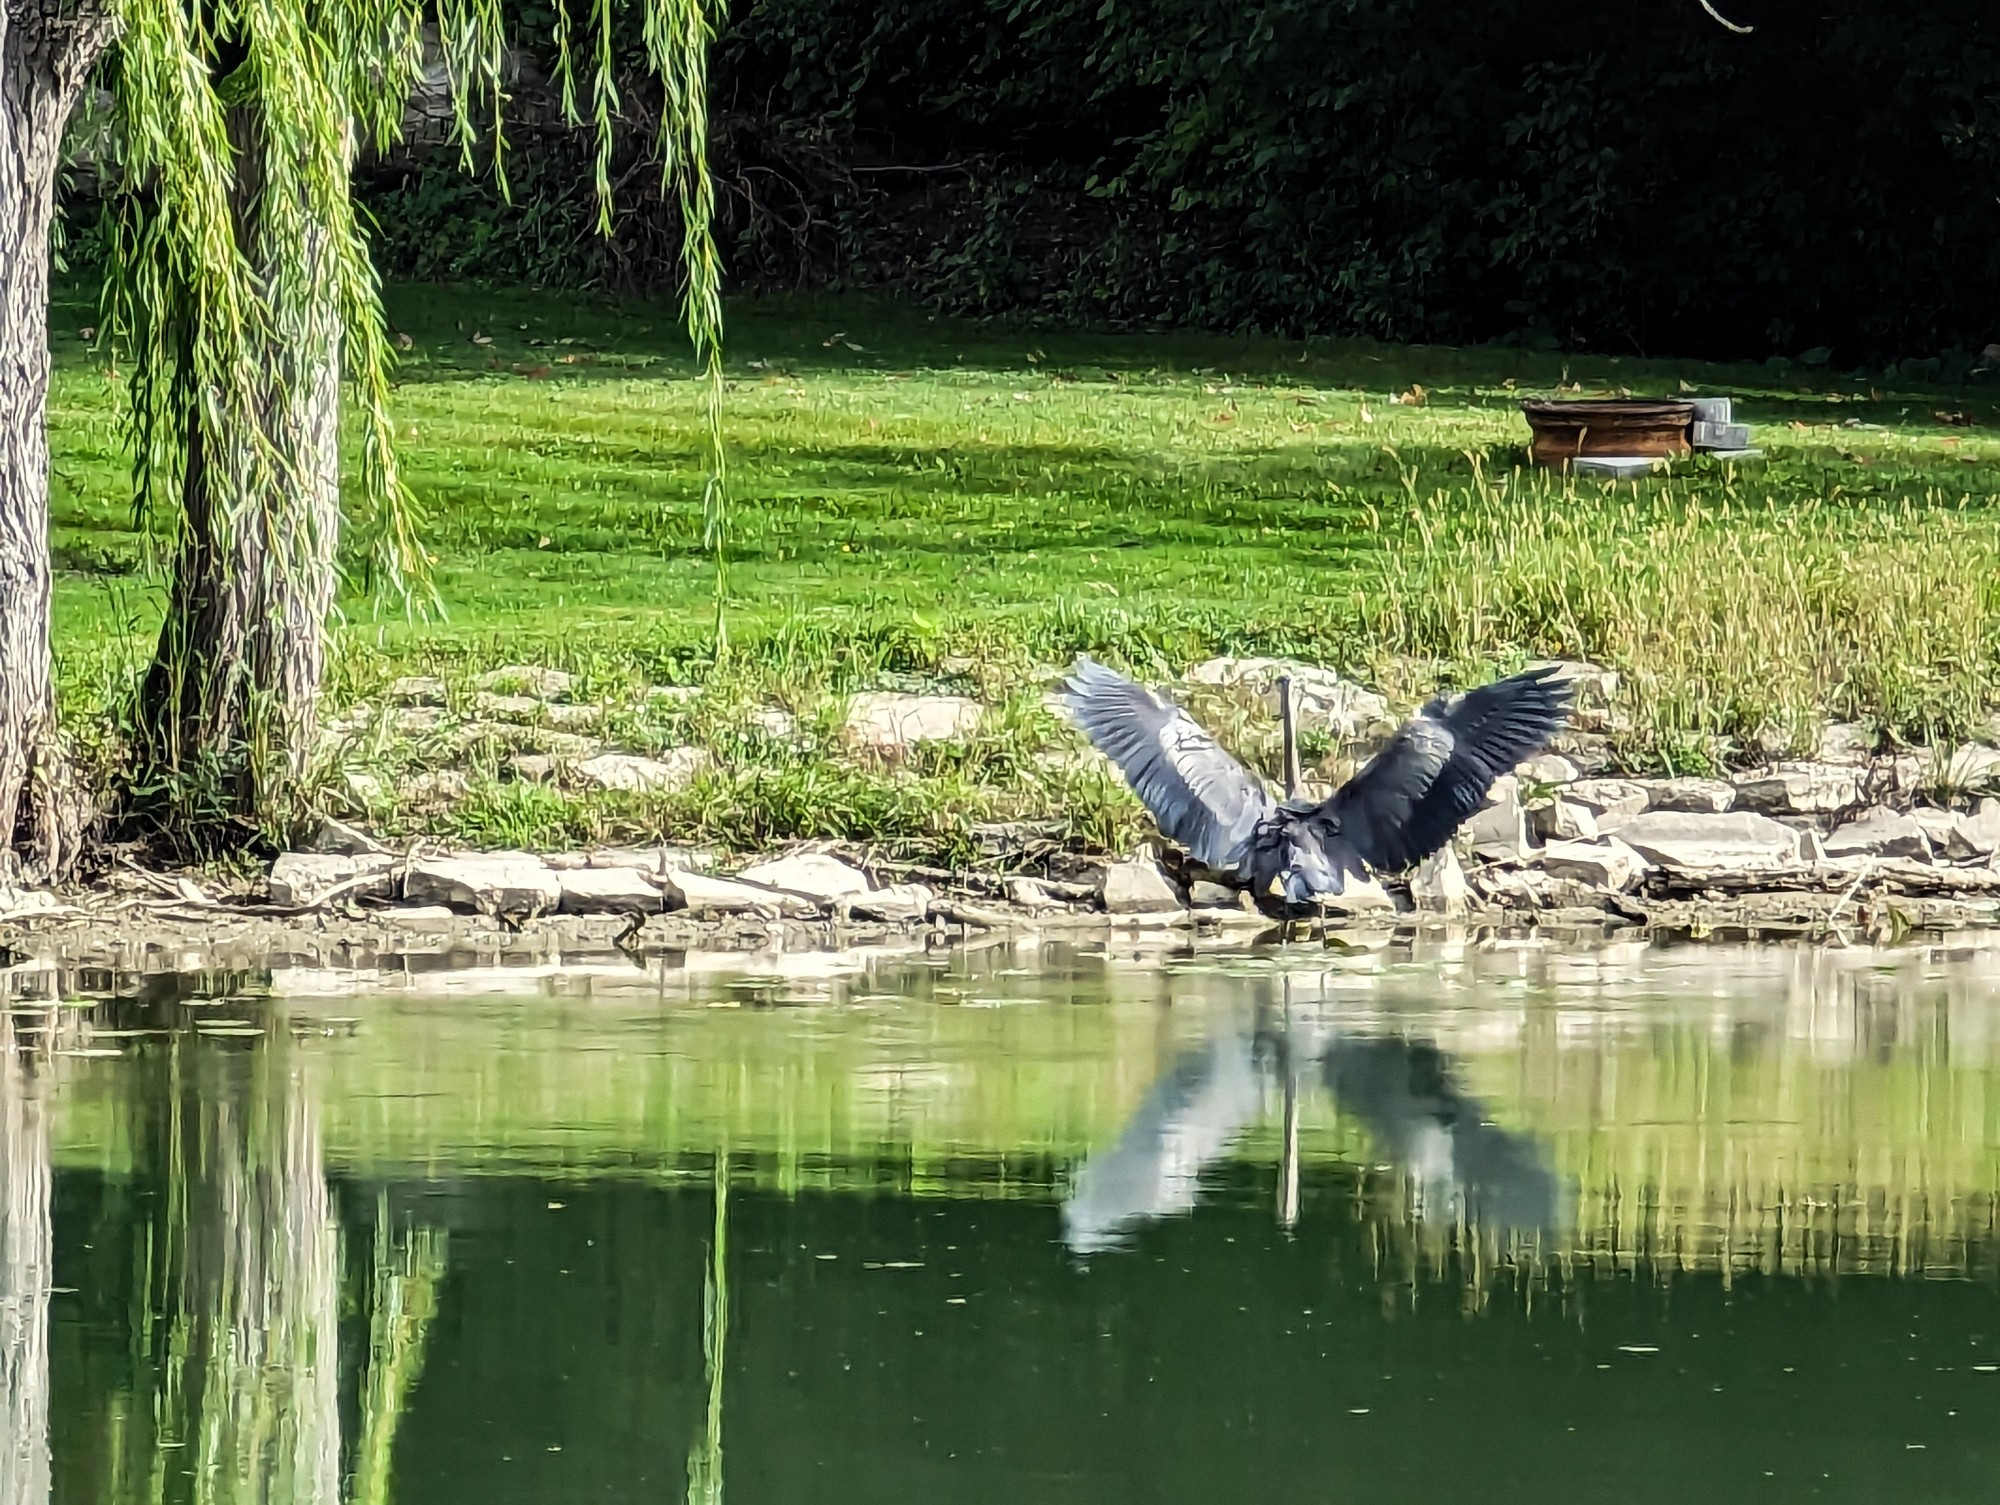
242	299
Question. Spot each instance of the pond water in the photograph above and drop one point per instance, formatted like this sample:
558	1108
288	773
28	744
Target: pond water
1496	1222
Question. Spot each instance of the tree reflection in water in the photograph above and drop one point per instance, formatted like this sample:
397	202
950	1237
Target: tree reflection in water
26	1244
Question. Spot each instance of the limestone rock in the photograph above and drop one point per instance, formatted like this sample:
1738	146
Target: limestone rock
301	878
429	918
897	904
887	721
508	707
1695	796
674	694
554	744
1206	895
527	679
439	786
1846	742
814	874
1438	886
674	770
1946	832
1593	683
1736	842
1030	893
1547	768
1136	887
417	720
633	859
1981	832
573	717
495	883
363	788
609	890
1608	799
1608	865
416	689
1360	896
1500	830
1319	696
1970	767
772	721
700	894
1878	833
1798	789
1559	820
532	768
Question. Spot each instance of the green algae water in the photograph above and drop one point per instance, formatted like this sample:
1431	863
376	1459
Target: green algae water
1496	1221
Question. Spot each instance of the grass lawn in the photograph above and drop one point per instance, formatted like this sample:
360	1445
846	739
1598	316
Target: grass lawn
916	503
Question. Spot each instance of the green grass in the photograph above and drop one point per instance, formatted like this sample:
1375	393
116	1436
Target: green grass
916	503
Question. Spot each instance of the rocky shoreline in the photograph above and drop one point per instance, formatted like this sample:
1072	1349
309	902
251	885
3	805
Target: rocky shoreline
1855	840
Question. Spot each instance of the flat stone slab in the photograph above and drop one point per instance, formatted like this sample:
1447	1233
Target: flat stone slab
1878	833
1694	795
494	883
1205	895
1561	820
896	904
416	689
1799	789
814	874
527	679
1972	767
507	707
1320	697
889	721
1608	799
609	890
1136	888
1547	768
1500	829
306	878
700	894
674	770
1739	841
1607	865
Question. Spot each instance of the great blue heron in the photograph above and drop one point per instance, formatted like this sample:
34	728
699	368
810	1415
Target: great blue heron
1434	772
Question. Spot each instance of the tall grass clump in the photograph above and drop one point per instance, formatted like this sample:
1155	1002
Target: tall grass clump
1737	626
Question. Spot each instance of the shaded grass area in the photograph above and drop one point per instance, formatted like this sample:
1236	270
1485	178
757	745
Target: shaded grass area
918	504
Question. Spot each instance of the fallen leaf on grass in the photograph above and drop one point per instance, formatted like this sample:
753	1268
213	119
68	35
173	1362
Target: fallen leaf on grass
1416	397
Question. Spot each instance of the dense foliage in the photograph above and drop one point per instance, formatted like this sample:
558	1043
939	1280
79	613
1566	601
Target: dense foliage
1628	176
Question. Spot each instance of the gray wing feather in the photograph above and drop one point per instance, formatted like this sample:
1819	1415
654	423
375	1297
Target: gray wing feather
1202	798
1438	768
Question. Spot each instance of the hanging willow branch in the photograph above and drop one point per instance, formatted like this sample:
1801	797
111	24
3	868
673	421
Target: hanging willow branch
194	310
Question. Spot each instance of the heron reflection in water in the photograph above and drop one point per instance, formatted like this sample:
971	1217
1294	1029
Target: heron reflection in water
1458	1162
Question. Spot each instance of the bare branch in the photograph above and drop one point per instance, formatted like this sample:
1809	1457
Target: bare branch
1719	17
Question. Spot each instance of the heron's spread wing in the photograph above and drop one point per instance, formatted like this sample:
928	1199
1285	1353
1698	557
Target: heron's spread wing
1202	798
1438	767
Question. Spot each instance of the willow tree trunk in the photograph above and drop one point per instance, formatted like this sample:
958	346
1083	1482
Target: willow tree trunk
26	1244
232	697
47	49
